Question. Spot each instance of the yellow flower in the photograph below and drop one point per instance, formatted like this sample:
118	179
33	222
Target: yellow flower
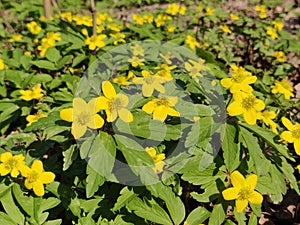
165	71
36	178
242	191
166	57
157	158
278	24
210	11
11	164
292	135
102	17
267	117
162	107
262	11
36	93
272	32
280	56
2	65
95	41
123	80
136	61
33	27
240	80
161	19
120	38
150	82
114	27
114	104
171	28
182	10
83	20
137	50
248	105
225	29
16	37
138	19
82	116
194	68
283	87
234	16
192	42
148	18
67	15
27	53
33	118
172	9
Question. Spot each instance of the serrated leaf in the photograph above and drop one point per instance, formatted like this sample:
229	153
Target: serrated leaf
94	181
69	156
217	215
126	196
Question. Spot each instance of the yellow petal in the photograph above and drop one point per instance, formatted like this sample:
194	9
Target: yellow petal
172	112
14	172
297	146
230	193
102	103
111	115
287	136
260	105
226	82
160	113
250	116
28	184
66	114
108	90
78	130
6	156
4	170
256	198
125	115
172	100
287	123
159	88
95	122
91	106
78	105
47	177
147	90
237	179
149	107
251	181
235	109
241	204
251	79
37	165
38	188
123	99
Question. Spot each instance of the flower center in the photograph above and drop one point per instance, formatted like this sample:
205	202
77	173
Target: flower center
296	132
11	163
162	101
149	80
194	71
33	177
115	104
83	118
249	102
244	193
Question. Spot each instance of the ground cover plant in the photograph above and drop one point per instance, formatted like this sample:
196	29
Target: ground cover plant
149	112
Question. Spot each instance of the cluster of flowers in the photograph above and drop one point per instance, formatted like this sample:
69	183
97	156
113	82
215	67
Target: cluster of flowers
35	177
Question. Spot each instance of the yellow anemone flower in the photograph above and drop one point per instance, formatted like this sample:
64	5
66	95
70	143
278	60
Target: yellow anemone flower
240	80
137	50
210	11
225	29
136	61
33	118
292	135
36	178
280	56
234	16
248	105
33	27
172	9
11	164
242	191
2	65
95	41
150	83
192	42
114	104
157	158
82	116
16	37
267	117
283	87
162	107
272	32
278	24
36	93
165	71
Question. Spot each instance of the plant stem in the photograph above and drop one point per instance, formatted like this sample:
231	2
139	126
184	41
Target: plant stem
47	9
94	13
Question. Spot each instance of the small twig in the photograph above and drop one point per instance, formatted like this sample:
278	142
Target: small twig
94	13
47	9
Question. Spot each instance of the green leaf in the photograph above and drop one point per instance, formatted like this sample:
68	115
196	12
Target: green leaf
94	181
44	64
62	62
126	196
52	54
269	137
102	154
69	156
173	202
5	219
288	171
197	216
231	147
11	209
40	78
53	222
217	216
253	219
26	202
149	210
260	162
